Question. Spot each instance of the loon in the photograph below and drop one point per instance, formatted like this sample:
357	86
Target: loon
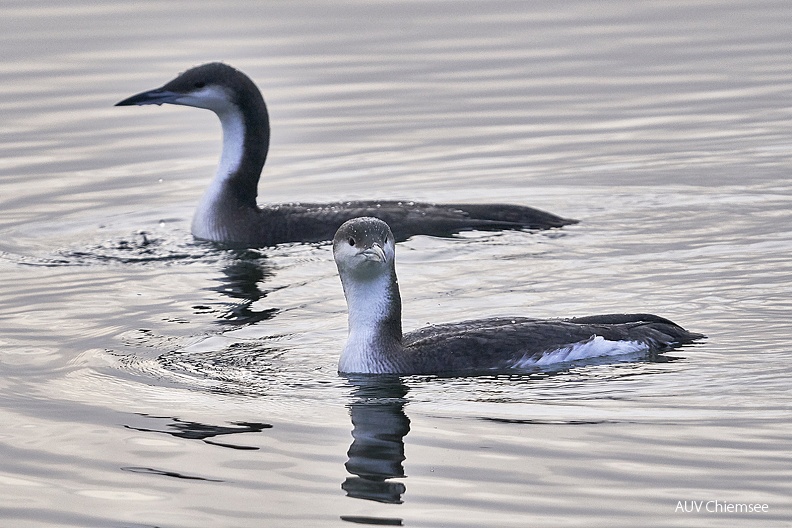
228	212
364	252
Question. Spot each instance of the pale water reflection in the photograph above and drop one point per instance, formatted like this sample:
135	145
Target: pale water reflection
147	379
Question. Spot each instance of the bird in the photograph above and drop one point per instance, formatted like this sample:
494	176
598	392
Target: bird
228	212
364	253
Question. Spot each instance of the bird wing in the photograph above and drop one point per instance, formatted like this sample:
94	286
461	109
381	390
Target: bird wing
498	342
312	222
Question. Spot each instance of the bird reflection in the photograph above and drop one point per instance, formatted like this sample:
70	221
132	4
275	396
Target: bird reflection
378	428
240	281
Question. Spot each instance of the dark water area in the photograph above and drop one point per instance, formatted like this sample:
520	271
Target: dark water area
149	379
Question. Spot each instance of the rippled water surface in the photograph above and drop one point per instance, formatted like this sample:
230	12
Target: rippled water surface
147	379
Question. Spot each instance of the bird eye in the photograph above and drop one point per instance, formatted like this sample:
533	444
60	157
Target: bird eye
200	84
351	241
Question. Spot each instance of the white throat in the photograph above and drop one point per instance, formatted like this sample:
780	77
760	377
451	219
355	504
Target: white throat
368	342
206	219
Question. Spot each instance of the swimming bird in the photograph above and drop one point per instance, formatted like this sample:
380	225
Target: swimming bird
364	252
228	212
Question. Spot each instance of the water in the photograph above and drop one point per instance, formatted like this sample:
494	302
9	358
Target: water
150	380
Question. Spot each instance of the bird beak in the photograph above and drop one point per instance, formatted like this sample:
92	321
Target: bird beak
157	97
374	253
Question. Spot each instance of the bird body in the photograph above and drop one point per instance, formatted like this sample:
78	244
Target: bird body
228	212
364	251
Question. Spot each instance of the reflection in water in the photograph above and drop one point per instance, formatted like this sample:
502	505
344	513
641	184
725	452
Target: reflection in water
242	269
242	272
172	474
378	428
241	281
379	425
199	431
375	521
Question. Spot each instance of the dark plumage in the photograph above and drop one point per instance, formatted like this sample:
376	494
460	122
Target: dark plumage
228	212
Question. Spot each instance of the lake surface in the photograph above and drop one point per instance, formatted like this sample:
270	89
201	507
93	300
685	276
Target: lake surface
150	380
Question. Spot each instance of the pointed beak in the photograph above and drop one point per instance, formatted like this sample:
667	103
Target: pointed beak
375	253
157	97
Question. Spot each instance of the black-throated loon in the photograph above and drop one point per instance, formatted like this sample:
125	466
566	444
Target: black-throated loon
228	212
364	251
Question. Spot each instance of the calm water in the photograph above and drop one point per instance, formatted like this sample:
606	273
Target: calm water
150	380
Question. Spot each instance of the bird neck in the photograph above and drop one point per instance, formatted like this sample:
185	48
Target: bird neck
374	343
246	134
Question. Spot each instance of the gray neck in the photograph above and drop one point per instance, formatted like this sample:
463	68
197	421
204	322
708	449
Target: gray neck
374	344
227	204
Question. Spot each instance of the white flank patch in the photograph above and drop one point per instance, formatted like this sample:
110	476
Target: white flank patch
596	346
